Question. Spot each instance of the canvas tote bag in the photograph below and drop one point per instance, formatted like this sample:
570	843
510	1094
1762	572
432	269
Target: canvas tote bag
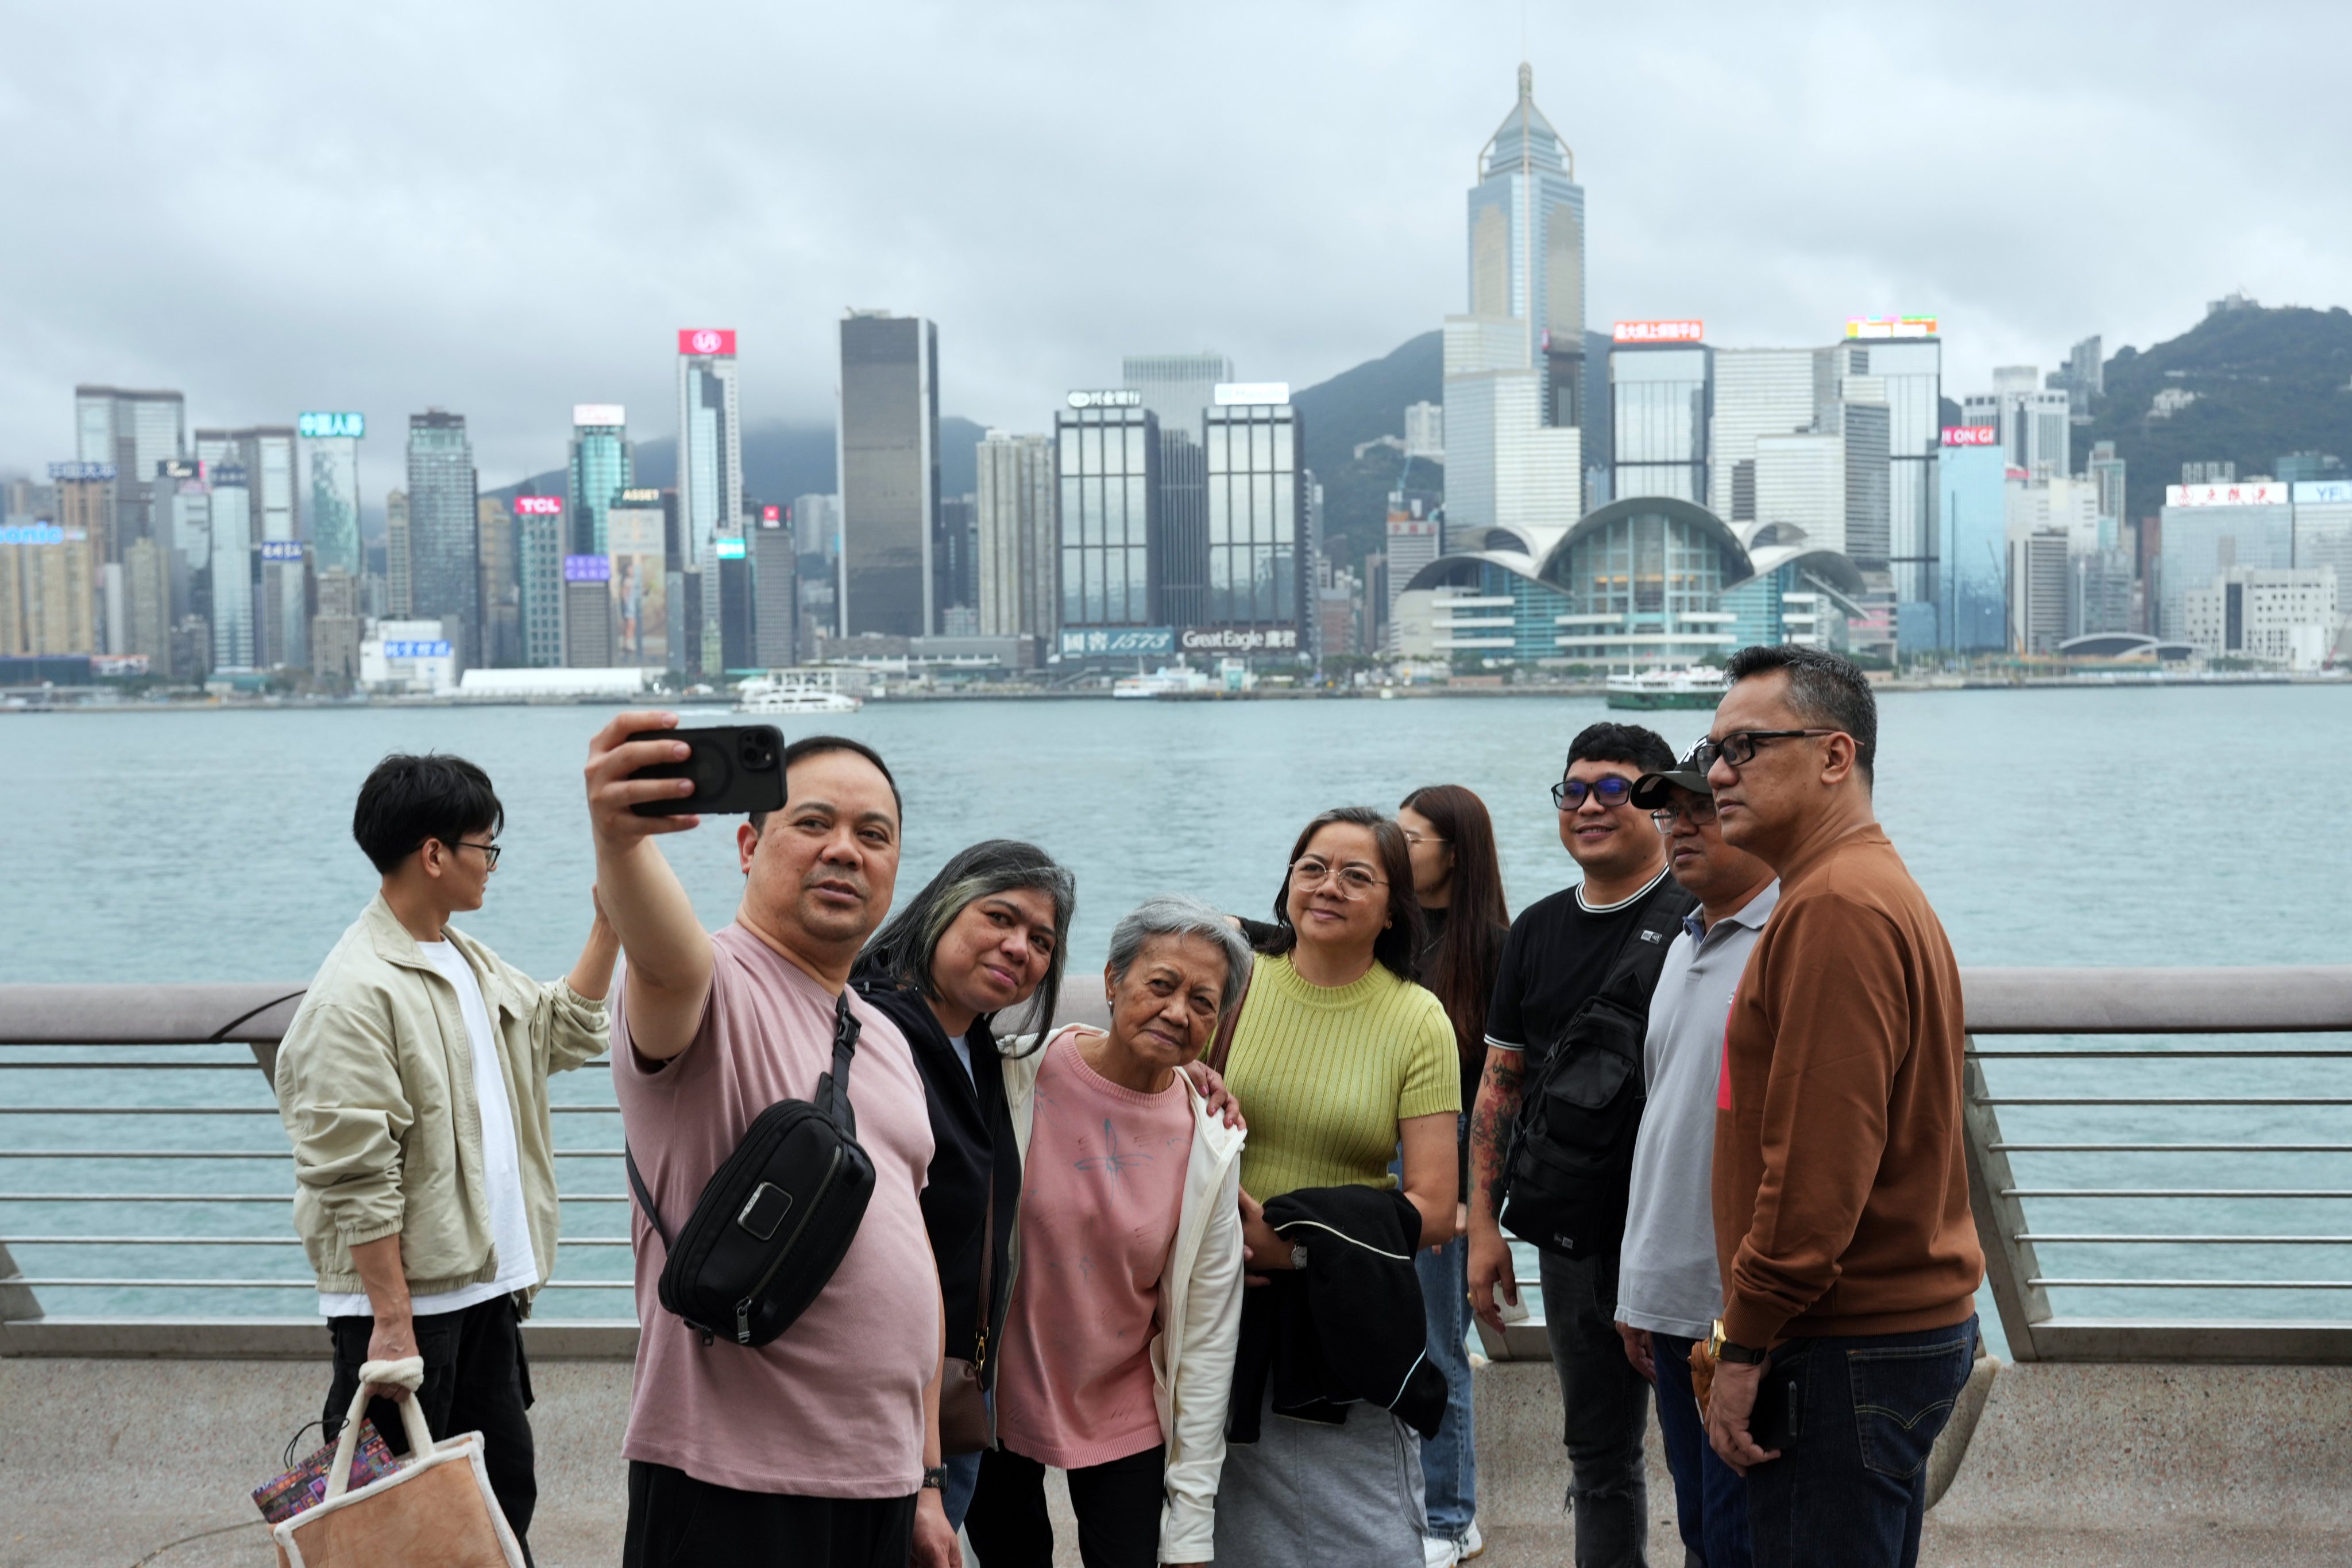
435	1512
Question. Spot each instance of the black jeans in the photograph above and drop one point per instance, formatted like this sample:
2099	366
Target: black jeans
1605	1409
676	1521
1117	1504
475	1380
1849	1490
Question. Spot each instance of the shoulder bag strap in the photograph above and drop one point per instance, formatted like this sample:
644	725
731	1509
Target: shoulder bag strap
832	1089
645	1198
1223	1045
987	1272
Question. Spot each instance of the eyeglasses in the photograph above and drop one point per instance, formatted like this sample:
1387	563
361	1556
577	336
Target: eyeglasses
1354	881
491	852
1425	838
1697	812
1739	748
1614	789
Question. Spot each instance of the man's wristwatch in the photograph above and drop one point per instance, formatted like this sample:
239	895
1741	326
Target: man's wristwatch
1723	1349
936	1476
1298	1257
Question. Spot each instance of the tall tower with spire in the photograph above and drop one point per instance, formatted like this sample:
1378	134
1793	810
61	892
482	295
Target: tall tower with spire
1515	360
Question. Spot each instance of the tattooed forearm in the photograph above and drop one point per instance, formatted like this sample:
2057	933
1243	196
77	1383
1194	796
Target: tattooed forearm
1499	1092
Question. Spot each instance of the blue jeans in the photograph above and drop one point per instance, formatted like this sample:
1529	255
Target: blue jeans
963	1474
1449	1461
1710	1499
1851	1488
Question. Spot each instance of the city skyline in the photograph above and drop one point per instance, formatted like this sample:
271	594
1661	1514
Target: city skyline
1721	186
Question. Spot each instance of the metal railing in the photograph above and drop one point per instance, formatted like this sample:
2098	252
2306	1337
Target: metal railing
2142	1181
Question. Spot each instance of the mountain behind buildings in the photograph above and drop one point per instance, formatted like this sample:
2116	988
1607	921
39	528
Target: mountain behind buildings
2246	386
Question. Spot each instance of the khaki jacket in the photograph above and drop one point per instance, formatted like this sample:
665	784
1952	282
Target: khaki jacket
375	1085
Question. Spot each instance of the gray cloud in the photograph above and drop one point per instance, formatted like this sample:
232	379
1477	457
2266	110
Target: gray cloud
506	210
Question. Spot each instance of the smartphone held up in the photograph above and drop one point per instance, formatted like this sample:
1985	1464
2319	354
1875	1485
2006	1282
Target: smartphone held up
735	769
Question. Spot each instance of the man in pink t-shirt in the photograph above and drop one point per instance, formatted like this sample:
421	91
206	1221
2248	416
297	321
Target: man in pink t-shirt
820	1449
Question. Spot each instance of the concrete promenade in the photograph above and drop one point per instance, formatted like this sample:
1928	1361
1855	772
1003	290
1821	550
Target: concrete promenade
123	1462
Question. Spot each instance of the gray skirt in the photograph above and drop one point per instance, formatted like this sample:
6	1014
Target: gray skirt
1306	1495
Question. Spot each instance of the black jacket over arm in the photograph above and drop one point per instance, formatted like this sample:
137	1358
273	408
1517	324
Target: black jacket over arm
973	1131
1350	1328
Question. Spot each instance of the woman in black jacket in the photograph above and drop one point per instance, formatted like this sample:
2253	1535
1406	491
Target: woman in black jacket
985	935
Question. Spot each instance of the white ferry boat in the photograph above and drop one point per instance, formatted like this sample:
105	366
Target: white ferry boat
784	691
1167	680
1696	687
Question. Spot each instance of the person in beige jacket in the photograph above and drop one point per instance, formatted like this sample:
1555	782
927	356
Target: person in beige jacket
413	1083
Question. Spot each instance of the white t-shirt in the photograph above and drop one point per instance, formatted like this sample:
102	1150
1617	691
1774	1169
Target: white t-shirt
501	1161
962	1045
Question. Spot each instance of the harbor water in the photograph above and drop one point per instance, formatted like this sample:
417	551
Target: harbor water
2131	828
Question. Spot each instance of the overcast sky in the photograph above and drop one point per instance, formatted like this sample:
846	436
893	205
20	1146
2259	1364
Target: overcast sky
506	208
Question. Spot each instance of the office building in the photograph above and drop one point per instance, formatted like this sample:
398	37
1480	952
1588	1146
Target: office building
1258	540
1861	417
1177	388
147	602
2084	375
540	532
47	589
1660	404
179	513
501	600
81	502
444	543
134	431
399	586
231	573
1973	607
1424	431
2035	424
2105	472
2287	618
2039	591
1799	491
1018	542
588	640
709	455
775	590
1757	393
955	564
1413	542
648	617
330	445
602	465
816	527
412	657
1904	373
2099	582
336	630
2210	527
1516	363
2323	533
1182	545
1107	466
889	433
733	577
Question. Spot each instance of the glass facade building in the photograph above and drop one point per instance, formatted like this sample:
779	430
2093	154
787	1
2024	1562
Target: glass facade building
1910	379
334	491
1972	502
1107	470
1527	249
889	467
232	567
1182	547
540	530
1661	401
1644	580
444	522
1256	516
603	466
1177	388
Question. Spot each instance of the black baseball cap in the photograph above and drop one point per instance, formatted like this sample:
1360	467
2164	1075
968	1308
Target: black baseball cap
1652	790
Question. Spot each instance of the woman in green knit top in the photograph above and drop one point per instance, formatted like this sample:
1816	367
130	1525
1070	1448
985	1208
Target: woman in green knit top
1339	1058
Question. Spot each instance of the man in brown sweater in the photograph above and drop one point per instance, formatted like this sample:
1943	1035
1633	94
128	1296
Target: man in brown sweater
1850	1262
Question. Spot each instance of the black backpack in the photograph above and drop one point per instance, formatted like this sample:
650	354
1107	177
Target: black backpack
775	1218
1569	1170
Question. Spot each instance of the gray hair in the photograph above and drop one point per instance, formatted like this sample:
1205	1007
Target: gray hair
1178	915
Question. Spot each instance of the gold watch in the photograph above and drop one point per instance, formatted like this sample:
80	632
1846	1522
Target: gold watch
1723	1349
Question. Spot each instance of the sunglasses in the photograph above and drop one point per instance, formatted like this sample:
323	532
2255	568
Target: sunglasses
1614	790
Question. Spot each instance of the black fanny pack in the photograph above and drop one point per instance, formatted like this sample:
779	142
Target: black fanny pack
774	1220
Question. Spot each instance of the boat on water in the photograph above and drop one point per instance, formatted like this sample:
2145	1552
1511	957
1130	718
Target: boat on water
1694	687
784	691
1166	681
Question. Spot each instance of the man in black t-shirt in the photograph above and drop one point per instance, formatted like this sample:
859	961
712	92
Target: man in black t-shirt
1559	953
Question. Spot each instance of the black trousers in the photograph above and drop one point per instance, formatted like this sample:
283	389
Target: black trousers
475	1380
1117	1504
676	1521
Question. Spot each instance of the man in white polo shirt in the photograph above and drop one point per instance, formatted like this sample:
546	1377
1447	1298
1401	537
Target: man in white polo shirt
1669	1289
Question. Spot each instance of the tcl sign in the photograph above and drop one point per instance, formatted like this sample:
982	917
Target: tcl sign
1971	436
538	506
706	341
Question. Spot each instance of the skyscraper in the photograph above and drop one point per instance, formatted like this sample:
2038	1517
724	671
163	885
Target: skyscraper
443	533
1107	463
1258	578
281	617
955	564
1906	374
134	431
331	443
1972	477
775	590
232	567
1660	398
1758	392
539	531
603	466
1177	388
889	433
1017	540
399	559
1515	366
710	459
495	529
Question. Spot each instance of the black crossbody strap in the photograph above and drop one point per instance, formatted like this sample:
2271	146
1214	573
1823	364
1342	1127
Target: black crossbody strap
832	1089
645	1198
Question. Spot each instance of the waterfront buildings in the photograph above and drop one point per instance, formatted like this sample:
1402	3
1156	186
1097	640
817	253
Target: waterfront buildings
47	581
604	464
709	462
231	565
649	617
1177	388
955	566
1182	543
1661	404
132	431
1106	467
1018	544
1901	370
2210	528
2286	618
888	435
1259	550
775	609
336	630
501	600
399	580
2035	423
444	544
1413	541
2039	590
541	531
1800	488
588	612
282	614
1972	510
1757	393
330	446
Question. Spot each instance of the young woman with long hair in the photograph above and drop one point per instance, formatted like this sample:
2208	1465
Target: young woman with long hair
1457	880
